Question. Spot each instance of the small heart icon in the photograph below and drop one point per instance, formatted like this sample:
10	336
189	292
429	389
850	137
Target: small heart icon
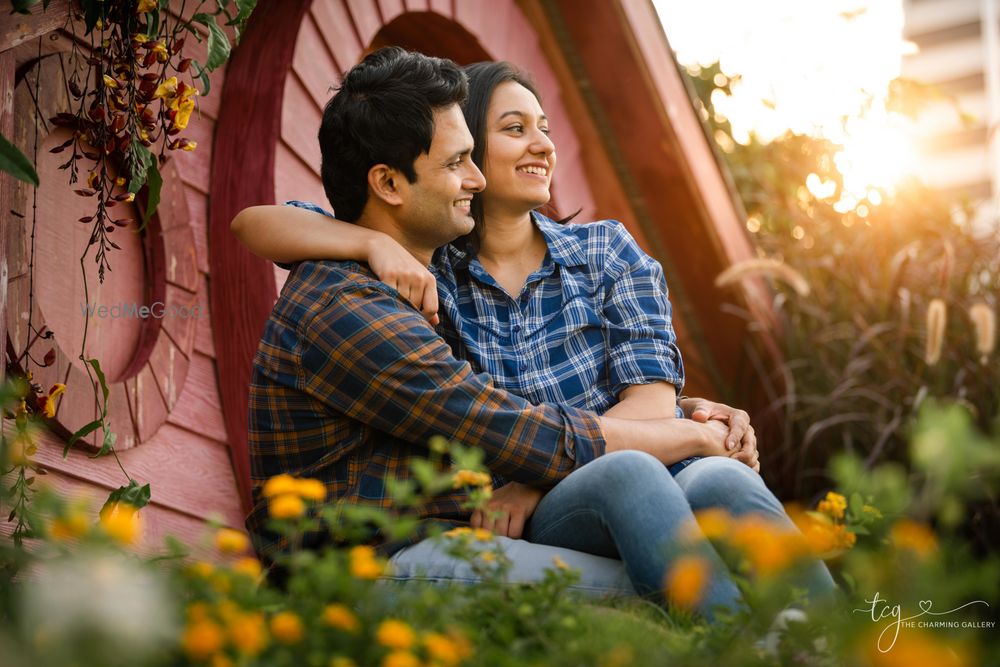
925	605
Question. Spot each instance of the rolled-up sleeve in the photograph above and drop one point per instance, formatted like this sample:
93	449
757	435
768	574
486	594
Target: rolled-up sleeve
642	345
373	361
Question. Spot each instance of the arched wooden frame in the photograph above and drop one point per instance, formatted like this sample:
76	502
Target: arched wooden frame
142	397
248	131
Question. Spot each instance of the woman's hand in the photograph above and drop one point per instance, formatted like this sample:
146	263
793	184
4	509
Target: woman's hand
741	433
516	502
397	268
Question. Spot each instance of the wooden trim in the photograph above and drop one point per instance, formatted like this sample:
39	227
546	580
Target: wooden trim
19	28
247	133
6	186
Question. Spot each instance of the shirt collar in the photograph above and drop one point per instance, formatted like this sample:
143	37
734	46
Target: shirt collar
564	246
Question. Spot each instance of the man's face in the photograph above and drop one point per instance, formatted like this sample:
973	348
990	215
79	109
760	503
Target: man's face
436	208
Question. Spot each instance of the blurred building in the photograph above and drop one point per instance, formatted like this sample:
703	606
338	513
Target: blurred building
958	51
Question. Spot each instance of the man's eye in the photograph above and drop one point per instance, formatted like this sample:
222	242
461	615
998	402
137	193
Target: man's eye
544	130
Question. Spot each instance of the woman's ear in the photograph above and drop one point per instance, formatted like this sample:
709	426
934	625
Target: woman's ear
385	182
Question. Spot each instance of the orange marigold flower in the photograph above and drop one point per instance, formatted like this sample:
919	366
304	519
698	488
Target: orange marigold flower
834	505
220	660
713	523
230	541
395	634
400	659
248	633
280	485
201	569
121	523
311	489
913	535
340	617
482	534
47	403
443	649
768	548
201	639
470	478
686	581
286	507
287	628
70	527
248	566
364	564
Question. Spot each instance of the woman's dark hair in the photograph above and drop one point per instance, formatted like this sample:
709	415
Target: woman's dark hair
383	112
484	78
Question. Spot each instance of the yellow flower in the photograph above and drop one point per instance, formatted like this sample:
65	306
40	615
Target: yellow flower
871	509
400	659
341	661
121	523
201	639
460	531
395	634
488	556
167	89
712	524
686	580
183	115
286	507
140	37
442	649
201	569
834	504
70	527
286	627
340	617
559	563
47	403
248	633
248	566
470	478
364	564
188	145
280	485
917	647
109	82
230	541
160	49
311	489
826	539
482	534
145	6
915	536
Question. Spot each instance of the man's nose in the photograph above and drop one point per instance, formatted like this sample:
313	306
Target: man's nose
474	180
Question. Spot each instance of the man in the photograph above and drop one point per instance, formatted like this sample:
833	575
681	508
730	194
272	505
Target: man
350	382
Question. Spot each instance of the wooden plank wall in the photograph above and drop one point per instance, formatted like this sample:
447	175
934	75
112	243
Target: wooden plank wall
187	461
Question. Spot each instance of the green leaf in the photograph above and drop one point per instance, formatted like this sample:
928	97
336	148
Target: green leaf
246	8
138	166
91	13
100	378
15	163
154	183
23	6
110	438
218	42
83	432
133	494
202	74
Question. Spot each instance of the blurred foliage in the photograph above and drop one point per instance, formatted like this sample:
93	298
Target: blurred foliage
856	365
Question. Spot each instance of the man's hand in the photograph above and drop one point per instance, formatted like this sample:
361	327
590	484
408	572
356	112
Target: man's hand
741	433
516	501
396	267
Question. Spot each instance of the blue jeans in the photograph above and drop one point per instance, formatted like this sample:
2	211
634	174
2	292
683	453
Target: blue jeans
627	508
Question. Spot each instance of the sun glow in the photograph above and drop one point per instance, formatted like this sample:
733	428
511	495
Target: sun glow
805	67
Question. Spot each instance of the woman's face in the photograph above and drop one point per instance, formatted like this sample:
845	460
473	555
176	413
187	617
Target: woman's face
520	157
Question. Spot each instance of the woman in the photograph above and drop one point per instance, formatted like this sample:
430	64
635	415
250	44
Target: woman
573	314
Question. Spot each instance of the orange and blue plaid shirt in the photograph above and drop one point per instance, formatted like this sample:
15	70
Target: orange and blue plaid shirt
350	383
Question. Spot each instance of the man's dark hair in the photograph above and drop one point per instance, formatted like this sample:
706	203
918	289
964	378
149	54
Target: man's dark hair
383	113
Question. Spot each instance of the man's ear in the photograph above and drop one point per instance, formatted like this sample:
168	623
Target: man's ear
386	183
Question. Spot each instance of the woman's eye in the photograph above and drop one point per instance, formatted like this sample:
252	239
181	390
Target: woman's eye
515	128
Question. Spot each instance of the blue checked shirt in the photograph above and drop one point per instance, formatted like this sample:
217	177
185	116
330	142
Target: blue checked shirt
594	319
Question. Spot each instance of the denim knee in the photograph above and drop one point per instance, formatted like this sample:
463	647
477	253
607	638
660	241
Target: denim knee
628	467
718	481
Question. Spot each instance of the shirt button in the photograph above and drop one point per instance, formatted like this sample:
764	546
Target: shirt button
523	367
517	328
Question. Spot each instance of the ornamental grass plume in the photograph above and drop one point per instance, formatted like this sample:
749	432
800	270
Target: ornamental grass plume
984	321
937	319
764	266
